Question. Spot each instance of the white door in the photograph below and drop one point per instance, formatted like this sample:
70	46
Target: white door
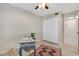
71	31
50	30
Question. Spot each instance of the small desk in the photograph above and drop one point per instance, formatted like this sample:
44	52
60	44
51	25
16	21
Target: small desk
27	45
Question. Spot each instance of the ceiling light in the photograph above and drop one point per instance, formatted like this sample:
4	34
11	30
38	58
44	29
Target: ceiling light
42	6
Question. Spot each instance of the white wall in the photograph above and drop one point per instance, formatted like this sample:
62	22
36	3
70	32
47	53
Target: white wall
51	29
14	23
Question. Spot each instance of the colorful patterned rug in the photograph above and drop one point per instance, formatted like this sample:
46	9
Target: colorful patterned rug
45	50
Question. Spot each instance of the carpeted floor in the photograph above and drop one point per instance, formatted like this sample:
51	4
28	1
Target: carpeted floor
45	50
15	52
10	52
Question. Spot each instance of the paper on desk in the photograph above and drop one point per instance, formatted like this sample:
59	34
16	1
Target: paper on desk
27	39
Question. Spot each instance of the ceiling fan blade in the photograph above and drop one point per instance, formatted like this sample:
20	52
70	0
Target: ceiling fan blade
46	6
36	7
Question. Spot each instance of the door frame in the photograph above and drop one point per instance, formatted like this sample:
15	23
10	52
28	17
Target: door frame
78	32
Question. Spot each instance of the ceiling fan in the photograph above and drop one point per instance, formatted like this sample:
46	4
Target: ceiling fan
42	6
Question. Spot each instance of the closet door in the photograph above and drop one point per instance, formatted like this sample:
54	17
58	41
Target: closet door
50	30
71	31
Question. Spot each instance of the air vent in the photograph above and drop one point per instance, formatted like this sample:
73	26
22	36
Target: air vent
56	13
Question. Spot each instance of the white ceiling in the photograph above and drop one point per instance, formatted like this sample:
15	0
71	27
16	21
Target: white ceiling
53	7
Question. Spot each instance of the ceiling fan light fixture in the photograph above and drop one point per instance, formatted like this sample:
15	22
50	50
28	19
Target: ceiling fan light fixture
42	6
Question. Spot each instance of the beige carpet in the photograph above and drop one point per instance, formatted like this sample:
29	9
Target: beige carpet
15	52
11	52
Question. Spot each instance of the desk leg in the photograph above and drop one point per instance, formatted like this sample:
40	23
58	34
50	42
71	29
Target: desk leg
20	51
34	51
